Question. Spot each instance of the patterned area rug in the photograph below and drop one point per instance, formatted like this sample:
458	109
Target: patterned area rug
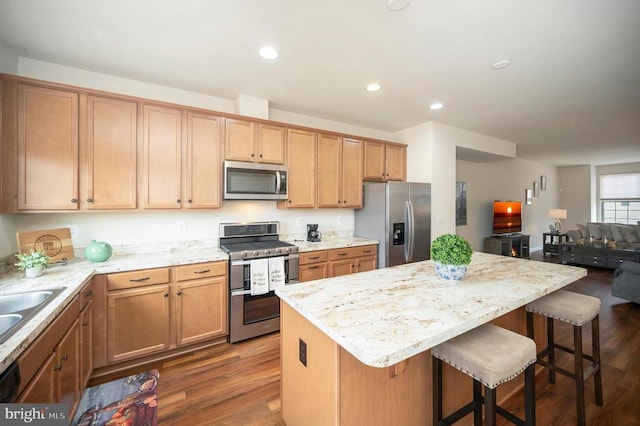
131	401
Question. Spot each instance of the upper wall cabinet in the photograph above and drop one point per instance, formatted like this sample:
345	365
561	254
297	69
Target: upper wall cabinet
162	144
301	157
254	142
111	141
384	161
203	163
339	172
47	149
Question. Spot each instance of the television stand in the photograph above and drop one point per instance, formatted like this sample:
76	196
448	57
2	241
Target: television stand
514	245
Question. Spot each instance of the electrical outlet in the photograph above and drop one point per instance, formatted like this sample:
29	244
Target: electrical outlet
181	226
298	221
339	220
303	352
438	220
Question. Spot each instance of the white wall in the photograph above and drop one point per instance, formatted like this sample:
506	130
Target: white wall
8	60
575	194
507	180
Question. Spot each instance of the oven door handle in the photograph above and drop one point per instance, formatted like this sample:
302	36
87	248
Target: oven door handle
244	292
247	262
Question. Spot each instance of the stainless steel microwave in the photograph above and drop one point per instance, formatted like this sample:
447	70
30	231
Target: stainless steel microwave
254	181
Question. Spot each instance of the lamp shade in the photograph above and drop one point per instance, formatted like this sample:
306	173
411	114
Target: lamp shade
558	213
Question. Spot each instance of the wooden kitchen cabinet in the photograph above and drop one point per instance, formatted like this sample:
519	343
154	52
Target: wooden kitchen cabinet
111	153
50	367
203	183
162	158
86	335
254	142
301	161
150	312
313	265
383	161
352	173
350	260
47	149
201	302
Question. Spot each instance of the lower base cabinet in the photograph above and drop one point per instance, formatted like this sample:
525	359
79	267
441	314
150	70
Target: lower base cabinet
147	312
55	367
333	263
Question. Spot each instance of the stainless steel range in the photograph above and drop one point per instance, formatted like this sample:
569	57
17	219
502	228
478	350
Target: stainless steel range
258	262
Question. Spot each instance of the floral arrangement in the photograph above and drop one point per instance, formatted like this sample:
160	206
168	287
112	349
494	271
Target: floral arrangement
451	249
35	259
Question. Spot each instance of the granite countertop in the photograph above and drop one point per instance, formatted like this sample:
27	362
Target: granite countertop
388	315
78	272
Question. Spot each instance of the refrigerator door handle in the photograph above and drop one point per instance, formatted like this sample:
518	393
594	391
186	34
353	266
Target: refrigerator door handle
408	252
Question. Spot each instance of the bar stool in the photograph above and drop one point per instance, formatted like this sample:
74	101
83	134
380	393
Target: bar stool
576	309
490	355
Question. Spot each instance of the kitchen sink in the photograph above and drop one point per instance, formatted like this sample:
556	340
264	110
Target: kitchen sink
17	309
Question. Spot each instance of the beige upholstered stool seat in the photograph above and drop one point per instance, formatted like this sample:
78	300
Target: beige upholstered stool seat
490	354
567	306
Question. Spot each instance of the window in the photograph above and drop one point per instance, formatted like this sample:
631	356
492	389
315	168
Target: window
620	198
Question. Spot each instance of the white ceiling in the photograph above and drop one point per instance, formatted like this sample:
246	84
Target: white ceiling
570	96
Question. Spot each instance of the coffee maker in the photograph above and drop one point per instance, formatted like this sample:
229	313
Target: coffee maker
312	233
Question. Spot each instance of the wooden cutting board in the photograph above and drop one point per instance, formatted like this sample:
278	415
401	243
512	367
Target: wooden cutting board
56	243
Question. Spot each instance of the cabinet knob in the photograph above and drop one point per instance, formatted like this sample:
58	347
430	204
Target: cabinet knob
64	357
339	201
178	201
179	293
260	155
289	201
189	201
57	368
252	155
73	200
344	201
166	295
85	324
89	200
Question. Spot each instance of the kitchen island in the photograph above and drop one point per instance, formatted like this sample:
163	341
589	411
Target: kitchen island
355	349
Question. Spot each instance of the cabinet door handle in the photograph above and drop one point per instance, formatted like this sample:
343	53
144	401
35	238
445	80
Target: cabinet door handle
89	293
57	368
314	258
64	357
166	295
367	251
89	200
178	201
137	280
342	254
85	324
202	272
314	267
179	293
189	201
73	200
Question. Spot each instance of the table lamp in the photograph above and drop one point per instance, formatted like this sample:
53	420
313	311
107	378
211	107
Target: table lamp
558	214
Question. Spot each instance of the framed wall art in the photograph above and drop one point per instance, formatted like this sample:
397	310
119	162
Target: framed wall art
536	189
528	196
543	183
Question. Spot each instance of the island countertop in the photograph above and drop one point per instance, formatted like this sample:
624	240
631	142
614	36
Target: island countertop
385	316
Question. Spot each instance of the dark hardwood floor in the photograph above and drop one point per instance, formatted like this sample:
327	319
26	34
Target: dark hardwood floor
240	385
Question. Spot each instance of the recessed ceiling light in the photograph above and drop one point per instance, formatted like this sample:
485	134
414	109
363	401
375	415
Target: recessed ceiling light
396	5
503	63
268	52
436	105
373	87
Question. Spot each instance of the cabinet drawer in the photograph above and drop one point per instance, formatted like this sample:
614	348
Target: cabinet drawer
201	270
312	272
347	253
313	257
137	278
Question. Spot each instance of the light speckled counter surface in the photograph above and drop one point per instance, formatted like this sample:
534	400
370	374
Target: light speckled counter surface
333	243
388	315
74	276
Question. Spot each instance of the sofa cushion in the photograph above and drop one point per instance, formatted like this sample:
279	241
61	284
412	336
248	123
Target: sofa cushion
594	230
615	232
629	234
605	228
583	230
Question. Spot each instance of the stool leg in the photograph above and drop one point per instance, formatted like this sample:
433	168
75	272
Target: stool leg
530	395
477	403
579	372
489	406
595	344
437	389
551	347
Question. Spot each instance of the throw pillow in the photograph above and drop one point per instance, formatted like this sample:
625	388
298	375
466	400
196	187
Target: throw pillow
629	234
605	228
583	230
615	231
594	230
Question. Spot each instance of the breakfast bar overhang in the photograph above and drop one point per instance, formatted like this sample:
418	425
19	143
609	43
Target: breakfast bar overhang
355	349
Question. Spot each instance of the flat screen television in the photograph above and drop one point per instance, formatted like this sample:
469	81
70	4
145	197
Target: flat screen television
507	217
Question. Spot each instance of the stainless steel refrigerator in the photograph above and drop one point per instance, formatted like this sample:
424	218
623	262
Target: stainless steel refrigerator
398	215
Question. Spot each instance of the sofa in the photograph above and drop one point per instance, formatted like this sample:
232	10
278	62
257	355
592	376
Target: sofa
613	235
626	282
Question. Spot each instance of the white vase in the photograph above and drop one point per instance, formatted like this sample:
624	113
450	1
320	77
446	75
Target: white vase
33	272
451	272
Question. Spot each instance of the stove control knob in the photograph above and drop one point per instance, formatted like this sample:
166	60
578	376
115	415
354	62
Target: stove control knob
288	250
256	253
266	252
278	251
243	254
